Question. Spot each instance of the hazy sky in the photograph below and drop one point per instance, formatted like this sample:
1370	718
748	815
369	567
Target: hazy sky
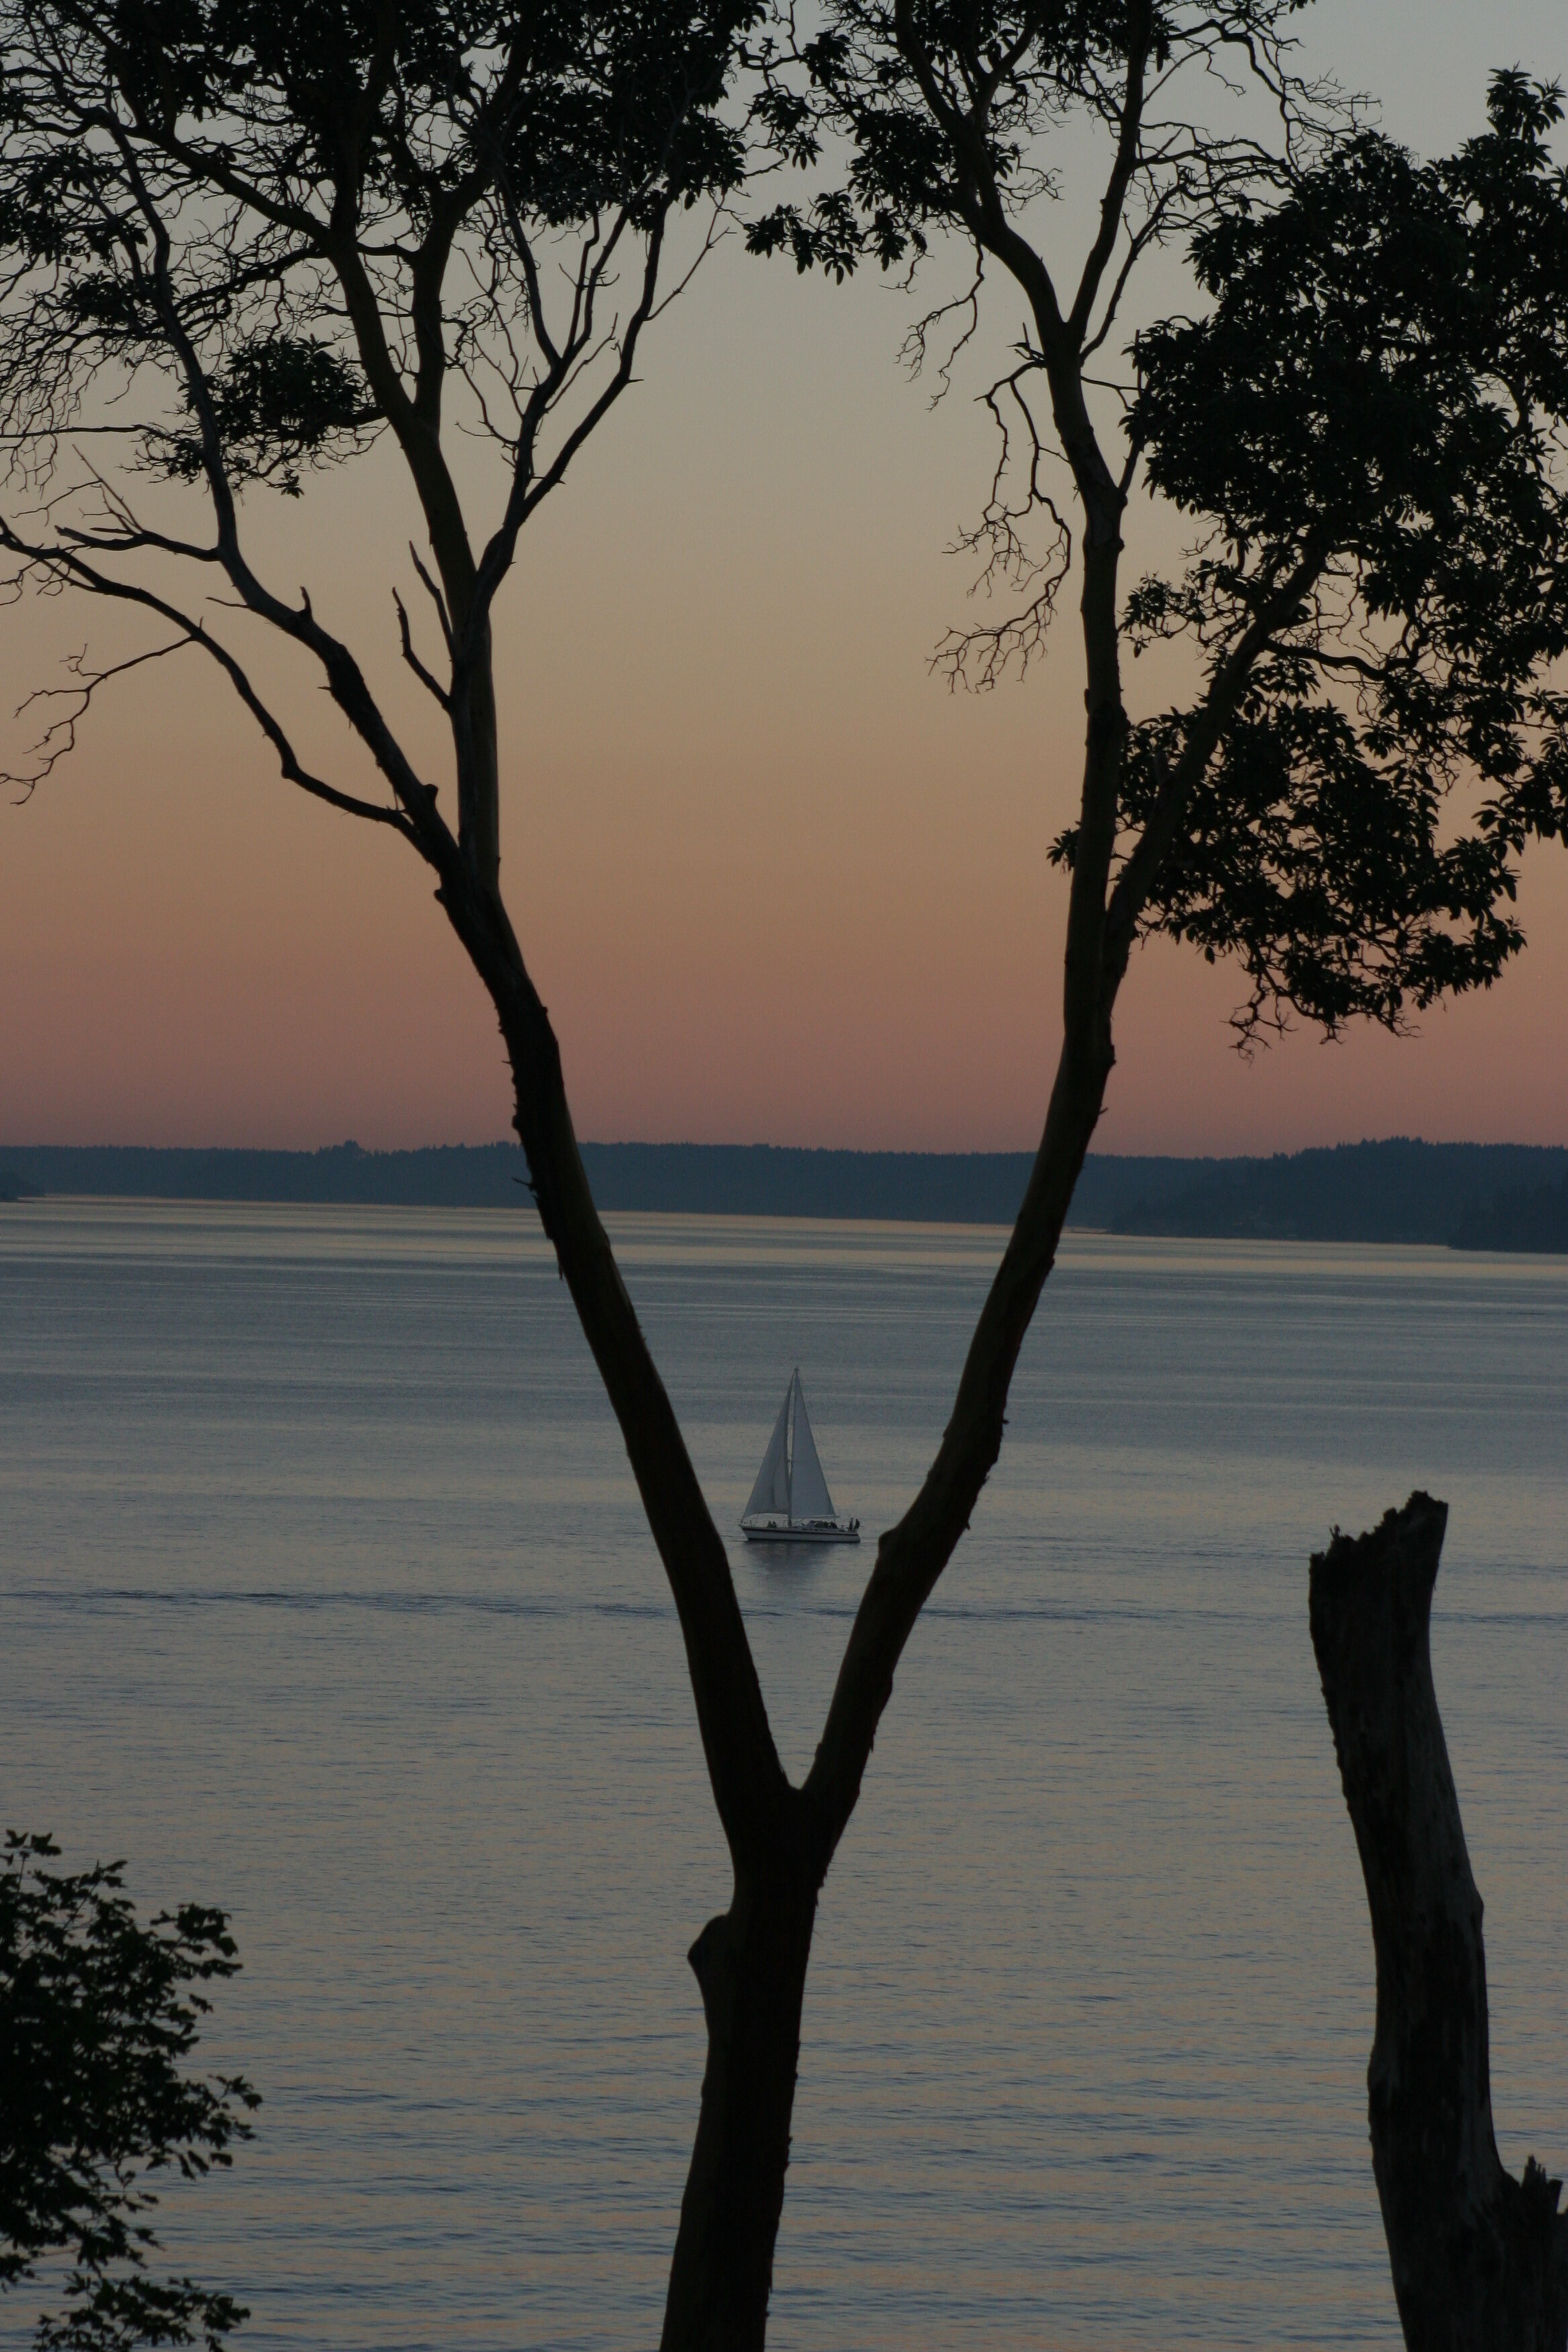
776	882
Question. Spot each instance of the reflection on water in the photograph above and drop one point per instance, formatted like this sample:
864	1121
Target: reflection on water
324	1594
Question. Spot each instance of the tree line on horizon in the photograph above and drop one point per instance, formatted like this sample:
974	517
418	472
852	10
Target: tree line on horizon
1510	1197
242	244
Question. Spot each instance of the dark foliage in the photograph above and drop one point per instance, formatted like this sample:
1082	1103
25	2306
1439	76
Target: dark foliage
97	2015
278	401
1367	426
1373	404
270	143
942	96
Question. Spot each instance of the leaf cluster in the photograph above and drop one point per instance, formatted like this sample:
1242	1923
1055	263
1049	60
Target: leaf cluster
1373	407
98	2013
279	402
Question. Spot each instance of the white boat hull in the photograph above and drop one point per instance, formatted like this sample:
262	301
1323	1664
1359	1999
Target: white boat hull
808	1532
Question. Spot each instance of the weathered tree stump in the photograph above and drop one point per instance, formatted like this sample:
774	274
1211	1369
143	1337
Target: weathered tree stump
1480	2260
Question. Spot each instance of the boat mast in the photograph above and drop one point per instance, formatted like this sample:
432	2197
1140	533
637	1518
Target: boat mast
789	1447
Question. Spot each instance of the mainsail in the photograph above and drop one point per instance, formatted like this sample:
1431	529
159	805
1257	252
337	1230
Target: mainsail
770	1495
808	1495
789	1501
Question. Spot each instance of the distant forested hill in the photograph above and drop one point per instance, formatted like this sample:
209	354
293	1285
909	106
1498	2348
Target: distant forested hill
1474	1195
713	1180
1400	1190
1526	1218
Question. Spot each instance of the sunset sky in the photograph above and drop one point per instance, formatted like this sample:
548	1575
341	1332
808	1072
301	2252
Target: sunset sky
776	883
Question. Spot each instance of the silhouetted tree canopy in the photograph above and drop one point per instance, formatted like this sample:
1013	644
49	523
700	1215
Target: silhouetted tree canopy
97	2014
948	105
240	240
1367	424
257	180
1374	404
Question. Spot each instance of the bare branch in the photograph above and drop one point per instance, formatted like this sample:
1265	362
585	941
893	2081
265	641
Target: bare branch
59	739
69	567
435	594
978	657
413	662
1112	203
913	353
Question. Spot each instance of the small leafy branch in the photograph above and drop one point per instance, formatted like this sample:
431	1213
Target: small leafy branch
97	2015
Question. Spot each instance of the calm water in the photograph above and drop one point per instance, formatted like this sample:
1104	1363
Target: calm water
324	1595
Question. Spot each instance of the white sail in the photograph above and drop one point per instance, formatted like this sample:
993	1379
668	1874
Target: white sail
808	1495
789	1501
770	1495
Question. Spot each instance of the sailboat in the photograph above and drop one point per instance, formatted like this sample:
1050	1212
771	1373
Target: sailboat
789	1501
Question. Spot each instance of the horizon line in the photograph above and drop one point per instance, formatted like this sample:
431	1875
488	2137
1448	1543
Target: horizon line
842	1150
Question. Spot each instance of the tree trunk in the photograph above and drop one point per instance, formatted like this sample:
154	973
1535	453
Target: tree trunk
751	1964
1480	2260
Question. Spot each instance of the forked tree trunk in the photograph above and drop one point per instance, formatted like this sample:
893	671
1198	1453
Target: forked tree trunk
1480	2260
751	1964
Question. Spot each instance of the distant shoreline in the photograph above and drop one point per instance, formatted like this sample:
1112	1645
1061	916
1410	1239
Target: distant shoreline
1498	1196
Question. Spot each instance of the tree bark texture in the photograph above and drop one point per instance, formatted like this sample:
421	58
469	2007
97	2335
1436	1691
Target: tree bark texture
1480	2260
751	1964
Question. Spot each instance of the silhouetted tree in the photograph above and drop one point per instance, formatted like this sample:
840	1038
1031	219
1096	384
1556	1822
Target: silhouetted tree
96	2014
1367	423
1480	2260
278	233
